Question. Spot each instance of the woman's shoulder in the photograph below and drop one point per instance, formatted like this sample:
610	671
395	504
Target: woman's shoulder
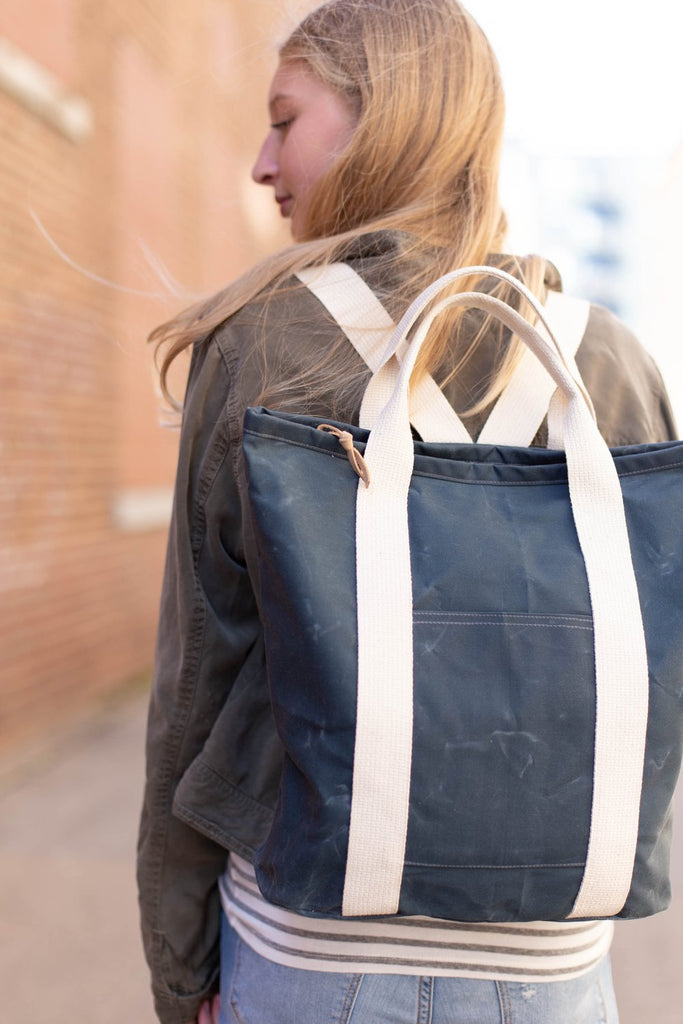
286	334
283	334
628	393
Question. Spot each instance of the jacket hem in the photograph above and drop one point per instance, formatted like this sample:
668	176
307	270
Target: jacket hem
221	801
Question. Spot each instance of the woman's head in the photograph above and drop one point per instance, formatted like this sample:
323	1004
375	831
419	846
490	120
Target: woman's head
311	125
421	89
395	124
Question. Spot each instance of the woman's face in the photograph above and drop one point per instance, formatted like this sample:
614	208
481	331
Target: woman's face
310	127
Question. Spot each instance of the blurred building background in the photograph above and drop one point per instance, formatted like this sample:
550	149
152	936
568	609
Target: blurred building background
611	223
127	133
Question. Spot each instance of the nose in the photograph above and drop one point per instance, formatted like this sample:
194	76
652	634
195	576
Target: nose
265	169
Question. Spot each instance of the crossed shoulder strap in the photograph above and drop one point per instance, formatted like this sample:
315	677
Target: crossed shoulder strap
368	326
521	408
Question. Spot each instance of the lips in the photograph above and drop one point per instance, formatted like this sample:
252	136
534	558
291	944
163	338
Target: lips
285	203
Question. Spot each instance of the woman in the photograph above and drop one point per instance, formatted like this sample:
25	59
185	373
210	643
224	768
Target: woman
383	152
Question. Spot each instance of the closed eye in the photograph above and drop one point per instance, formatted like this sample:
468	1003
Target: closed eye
281	125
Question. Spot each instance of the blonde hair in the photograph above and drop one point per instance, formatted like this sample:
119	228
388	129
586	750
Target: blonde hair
423	162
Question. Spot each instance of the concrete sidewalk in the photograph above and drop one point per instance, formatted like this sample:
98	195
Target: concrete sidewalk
69	946
69	942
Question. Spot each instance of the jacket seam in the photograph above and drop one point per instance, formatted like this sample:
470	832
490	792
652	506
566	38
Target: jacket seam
187	688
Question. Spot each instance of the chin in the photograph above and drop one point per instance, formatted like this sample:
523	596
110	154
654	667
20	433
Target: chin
297	225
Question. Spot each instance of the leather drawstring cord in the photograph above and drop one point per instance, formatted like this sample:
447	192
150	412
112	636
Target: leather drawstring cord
355	458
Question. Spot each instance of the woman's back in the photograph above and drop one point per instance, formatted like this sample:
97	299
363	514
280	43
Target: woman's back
405	189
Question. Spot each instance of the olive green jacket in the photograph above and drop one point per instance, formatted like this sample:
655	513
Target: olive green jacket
213	756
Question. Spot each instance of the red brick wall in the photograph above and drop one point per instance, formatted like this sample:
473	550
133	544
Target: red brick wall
177	96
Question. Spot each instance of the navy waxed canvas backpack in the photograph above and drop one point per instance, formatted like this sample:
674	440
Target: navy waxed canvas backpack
474	650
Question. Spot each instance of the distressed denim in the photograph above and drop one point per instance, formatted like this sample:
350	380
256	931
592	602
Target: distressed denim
256	991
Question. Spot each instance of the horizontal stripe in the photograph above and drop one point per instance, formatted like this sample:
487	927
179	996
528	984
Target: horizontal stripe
535	951
320	960
402	940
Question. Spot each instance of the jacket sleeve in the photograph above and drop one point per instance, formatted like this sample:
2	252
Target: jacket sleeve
207	626
631	403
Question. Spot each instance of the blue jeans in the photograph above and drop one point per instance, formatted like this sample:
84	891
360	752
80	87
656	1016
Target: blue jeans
256	991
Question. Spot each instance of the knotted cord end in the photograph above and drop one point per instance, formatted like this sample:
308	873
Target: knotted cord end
345	439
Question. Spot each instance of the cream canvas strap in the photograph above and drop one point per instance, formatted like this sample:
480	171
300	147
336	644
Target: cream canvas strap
522	406
383	744
368	326
518	413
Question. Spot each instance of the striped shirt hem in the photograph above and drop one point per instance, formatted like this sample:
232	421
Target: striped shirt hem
537	951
